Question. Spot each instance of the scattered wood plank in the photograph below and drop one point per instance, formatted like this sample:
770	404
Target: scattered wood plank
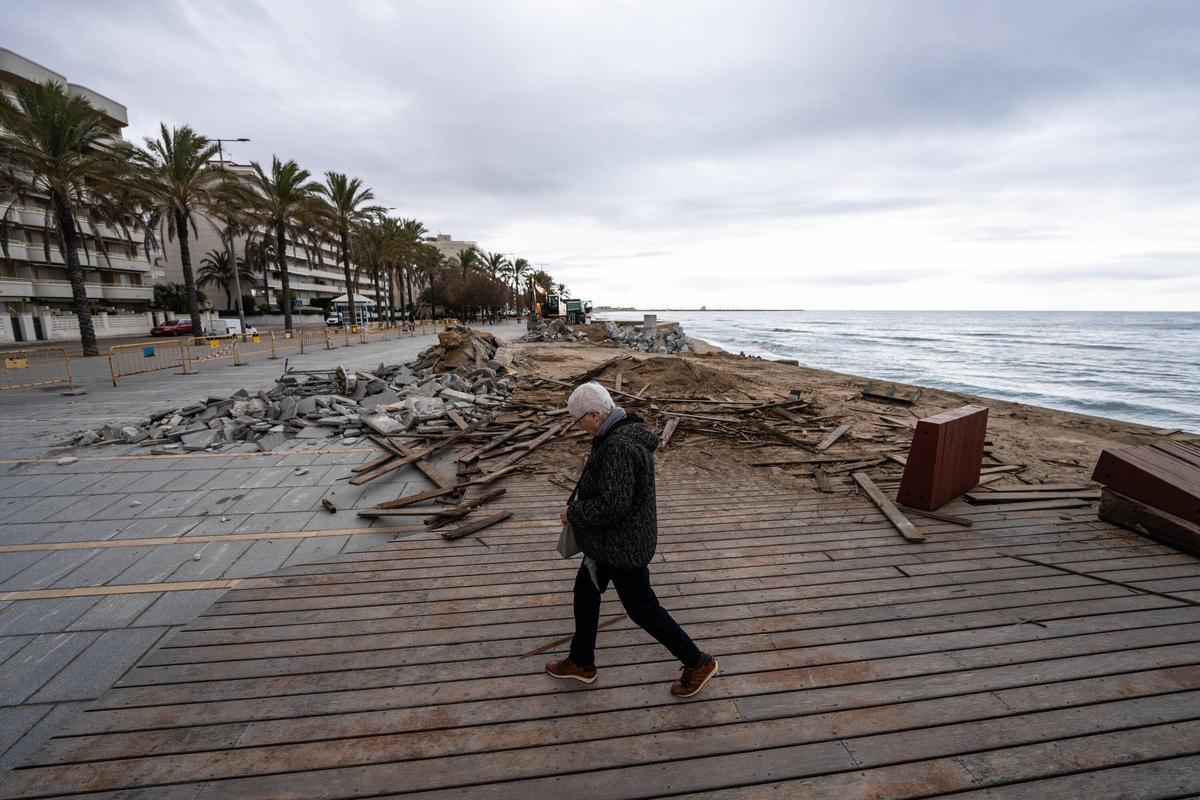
668	432
477	525
990	498
778	434
899	458
891	393
780	462
1151	522
833	436
584	377
855	466
413	499
1167	431
889	509
1040	505
617	381
1001	468
497	441
464	508
457	419
1045	487
822	480
528	448
939	515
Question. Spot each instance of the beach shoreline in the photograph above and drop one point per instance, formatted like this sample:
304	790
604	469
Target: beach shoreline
1051	444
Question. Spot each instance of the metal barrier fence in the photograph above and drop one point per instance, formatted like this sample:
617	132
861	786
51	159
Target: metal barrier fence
132	359
311	340
213	348
44	366
252	344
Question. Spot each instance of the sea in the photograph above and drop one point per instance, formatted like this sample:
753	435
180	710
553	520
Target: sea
1139	367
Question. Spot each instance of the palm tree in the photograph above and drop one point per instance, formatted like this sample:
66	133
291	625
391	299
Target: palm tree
176	175
54	144
347	200
495	263
215	269
280	199
518	271
466	260
562	289
259	253
413	233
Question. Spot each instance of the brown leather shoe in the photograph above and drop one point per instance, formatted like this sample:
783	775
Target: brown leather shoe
568	669
693	679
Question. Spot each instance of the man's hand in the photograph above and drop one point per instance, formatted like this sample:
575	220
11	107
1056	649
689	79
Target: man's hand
562	515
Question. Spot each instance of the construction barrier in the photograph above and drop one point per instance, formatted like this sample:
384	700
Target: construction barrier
44	366
213	348
312	340
132	359
287	342
252	344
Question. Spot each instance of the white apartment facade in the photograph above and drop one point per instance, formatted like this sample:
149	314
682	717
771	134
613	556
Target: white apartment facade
34	288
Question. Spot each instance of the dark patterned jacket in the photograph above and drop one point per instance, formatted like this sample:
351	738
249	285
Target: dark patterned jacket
613	509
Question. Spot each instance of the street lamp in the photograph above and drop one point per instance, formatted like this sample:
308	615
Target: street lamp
237	278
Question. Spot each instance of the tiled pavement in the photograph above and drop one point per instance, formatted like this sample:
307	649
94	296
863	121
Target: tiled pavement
59	652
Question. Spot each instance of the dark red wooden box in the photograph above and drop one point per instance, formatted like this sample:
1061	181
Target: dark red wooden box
945	457
1164	475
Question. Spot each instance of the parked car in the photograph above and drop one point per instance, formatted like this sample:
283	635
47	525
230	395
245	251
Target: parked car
173	327
334	319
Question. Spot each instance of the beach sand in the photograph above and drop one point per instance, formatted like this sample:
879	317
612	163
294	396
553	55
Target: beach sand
1054	446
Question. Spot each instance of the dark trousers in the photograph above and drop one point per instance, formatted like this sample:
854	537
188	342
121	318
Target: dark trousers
633	587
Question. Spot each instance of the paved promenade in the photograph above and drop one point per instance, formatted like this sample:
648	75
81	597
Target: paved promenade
103	558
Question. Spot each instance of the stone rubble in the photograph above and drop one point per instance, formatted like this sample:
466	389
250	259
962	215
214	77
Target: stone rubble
468	373
556	330
663	339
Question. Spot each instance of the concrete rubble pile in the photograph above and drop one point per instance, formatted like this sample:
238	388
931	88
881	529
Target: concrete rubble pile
467	375
556	330
660	339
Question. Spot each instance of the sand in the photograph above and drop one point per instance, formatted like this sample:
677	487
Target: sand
1053	446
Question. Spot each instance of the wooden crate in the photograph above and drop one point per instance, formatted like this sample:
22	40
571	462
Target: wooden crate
945	457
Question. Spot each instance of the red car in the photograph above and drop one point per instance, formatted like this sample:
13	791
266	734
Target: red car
173	327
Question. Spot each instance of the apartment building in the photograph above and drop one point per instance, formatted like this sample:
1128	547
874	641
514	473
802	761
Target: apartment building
34	286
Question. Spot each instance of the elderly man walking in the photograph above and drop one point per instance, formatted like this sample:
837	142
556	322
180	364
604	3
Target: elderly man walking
612	511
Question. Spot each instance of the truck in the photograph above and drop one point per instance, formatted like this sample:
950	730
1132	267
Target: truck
575	311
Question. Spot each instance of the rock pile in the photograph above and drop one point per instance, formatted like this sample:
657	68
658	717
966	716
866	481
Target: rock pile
556	330
465	375
662	339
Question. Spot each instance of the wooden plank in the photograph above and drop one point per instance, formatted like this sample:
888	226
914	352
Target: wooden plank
776	462
822	479
617	381
1149	521
833	436
668	432
477	525
457	419
1045	487
966	523
1020	497
497	441
412	499
891	393
889	509
464	508
528	448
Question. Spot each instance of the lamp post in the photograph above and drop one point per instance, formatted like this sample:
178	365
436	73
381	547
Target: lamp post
237	278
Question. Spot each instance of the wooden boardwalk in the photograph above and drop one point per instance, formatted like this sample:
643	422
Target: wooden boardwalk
1037	654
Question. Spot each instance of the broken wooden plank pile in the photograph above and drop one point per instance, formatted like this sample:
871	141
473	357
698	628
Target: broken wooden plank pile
1153	490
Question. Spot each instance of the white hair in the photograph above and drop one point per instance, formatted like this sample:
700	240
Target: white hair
591	396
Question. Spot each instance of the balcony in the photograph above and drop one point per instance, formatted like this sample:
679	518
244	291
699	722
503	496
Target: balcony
16	288
61	290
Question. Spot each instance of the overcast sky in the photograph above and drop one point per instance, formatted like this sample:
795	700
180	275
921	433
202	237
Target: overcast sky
1011	155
